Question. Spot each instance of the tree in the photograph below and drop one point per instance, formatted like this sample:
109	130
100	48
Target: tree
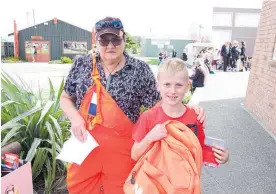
131	44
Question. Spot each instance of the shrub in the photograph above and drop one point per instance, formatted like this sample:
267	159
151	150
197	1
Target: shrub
66	60
37	124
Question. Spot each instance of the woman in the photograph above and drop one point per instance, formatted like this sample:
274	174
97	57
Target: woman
243	56
198	78
33	53
235	54
105	99
226	54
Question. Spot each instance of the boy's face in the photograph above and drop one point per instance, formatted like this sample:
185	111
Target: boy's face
172	87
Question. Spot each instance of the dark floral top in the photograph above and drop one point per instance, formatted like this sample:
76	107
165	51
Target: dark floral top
131	87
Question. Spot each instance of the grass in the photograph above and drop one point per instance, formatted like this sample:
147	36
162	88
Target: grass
153	61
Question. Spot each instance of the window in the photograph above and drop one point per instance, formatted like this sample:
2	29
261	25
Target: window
247	19
74	47
222	19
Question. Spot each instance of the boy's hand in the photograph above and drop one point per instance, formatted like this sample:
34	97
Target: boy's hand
157	133
221	154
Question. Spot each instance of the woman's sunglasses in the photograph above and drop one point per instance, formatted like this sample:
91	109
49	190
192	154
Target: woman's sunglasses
114	41
109	24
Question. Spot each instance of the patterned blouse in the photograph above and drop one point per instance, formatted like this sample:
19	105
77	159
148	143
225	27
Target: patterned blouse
131	87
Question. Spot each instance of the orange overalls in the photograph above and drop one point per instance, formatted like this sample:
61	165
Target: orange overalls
107	166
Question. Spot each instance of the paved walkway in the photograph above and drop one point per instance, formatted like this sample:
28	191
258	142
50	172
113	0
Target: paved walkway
252	167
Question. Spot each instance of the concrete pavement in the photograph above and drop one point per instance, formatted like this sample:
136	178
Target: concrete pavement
252	167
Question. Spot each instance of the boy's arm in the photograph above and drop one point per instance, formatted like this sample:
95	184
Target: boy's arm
206	150
139	148
139	136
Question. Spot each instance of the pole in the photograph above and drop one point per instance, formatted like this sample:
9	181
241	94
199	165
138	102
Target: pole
27	17
34	16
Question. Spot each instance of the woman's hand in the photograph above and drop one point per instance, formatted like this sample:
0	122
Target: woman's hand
201	114
78	128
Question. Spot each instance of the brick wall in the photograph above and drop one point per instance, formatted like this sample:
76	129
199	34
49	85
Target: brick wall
261	91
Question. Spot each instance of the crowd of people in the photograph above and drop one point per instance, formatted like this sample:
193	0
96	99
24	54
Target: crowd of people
162	55
234	57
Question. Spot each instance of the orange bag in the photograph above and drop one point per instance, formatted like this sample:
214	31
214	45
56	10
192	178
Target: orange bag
170	166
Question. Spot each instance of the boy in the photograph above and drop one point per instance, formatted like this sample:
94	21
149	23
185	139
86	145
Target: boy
172	82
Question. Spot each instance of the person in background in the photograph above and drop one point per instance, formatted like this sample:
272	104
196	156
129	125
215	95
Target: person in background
184	56
174	53
235	55
199	75
226	54
243	56
33	53
160	57
215	58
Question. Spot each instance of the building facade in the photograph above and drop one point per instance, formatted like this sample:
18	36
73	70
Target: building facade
239	24
52	40
261	91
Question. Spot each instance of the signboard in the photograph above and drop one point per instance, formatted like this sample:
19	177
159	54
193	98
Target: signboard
74	47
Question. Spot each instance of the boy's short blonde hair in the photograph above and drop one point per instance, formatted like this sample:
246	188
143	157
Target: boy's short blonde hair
172	66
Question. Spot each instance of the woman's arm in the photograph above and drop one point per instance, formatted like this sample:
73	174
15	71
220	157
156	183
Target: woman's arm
67	104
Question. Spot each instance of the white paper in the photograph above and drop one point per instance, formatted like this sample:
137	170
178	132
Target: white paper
94	98
74	151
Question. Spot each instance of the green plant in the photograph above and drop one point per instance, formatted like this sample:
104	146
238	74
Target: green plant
153	61
37	123
187	97
10	60
55	62
66	60
143	108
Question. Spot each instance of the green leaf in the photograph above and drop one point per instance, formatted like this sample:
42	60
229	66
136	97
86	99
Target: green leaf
45	111
48	178
12	133
57	103
10	90
8	77
57	146
33	149
58	128
39	162
24	83
52	90
8	102
25	114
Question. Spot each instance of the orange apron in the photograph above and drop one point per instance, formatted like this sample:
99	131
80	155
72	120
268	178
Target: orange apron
107	166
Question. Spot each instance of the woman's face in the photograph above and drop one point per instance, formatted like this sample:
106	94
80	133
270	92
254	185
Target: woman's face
115	48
